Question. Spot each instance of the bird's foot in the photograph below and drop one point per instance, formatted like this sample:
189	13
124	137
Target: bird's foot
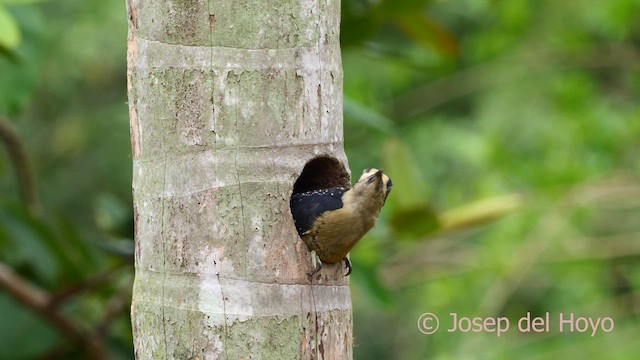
347	264
317	264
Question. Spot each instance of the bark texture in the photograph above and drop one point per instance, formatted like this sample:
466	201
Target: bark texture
228	100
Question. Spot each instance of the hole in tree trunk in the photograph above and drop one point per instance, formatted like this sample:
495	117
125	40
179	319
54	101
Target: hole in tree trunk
323	172
320	173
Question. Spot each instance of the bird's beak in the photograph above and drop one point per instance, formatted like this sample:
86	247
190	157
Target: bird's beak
376	175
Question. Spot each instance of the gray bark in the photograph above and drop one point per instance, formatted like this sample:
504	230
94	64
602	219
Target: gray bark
228	100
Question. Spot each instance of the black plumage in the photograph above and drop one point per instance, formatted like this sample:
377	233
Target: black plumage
307	206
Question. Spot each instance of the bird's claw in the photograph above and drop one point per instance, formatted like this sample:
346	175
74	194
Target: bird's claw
317	264
347	264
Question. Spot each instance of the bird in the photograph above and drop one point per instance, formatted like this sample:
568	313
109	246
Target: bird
331	221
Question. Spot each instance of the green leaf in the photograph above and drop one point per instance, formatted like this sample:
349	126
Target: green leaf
367	116
10	54
414	223
427	32
36	246
28	248
481	211
82	254
9	31
411	216
366	276
109	212
23	334
409	187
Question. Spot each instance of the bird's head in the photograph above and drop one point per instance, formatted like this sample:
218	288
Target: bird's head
373	186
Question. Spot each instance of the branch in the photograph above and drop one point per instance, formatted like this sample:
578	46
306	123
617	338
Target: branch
39	301
18	155
86	285
114	307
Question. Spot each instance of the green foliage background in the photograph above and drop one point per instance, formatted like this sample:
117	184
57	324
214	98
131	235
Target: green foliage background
511	130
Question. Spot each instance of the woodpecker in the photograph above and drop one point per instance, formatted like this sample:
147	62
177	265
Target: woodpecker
331	221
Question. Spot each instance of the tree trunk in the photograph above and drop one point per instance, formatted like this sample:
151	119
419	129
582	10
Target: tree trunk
228	101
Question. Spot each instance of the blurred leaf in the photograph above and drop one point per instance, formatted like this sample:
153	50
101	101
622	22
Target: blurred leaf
123	247
23	335
481	211
407	7
367	116
19	76
409	188
110	213
10	54
79	251
28	244
427	32
411	216
414	223
366	277
9	31
114	218
35	245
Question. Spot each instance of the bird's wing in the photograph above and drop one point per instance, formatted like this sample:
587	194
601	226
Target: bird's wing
306	207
